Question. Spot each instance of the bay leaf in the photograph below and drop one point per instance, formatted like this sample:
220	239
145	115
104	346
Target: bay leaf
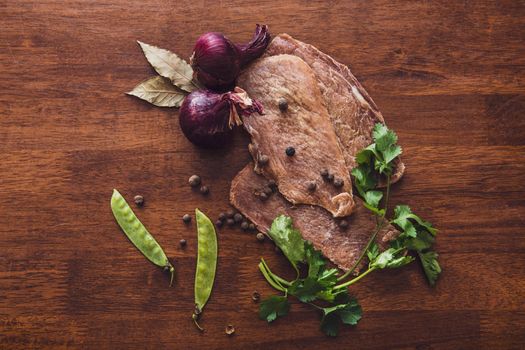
170	66
159	91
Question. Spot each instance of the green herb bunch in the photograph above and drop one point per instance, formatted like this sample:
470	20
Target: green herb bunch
323	287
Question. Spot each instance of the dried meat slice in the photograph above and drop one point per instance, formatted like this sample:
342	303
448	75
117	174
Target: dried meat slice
352	111
341	245
293	145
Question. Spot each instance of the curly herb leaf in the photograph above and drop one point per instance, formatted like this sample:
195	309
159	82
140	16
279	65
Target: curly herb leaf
273	307
288	239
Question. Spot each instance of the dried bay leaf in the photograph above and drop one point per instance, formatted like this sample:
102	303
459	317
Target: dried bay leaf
159	91
170	66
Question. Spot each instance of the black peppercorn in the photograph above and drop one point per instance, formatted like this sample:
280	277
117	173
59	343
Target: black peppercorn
311	186
229	214
290	151
237	217
251	227
263	160
204	190
222	216
260	236
139	200
283	104
194	180
186	218
244	225
343	224
230	222
338	182
256	296
330	177
218	223
268	191
182	242
263	196
324	173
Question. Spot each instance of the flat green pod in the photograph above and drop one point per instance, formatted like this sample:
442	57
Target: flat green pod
206	262
138	234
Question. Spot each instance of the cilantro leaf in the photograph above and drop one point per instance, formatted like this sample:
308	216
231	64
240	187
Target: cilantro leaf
373	251
423	241
273	307
319	280
402	217
430	266
348	312
383	137
390	258
288	239
305	289
373	197
314	259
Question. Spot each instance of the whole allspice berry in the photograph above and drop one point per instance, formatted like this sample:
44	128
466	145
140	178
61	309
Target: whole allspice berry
194	180
204	190
139	200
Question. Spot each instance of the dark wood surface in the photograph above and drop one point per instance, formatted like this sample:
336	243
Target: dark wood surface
449	77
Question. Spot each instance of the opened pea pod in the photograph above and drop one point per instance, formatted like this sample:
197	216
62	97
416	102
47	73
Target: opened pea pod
206	263
138	234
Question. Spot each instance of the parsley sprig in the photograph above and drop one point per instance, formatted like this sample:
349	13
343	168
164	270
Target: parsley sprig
322	287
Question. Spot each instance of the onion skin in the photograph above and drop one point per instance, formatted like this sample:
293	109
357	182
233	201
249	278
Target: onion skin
217	61
255	48
207	118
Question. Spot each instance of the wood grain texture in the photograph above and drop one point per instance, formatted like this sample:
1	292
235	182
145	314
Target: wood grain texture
449	76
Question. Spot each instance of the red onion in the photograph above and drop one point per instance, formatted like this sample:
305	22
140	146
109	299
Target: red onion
207	118
217	61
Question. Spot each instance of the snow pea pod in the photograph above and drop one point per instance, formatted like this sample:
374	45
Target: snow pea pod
206	263
138	234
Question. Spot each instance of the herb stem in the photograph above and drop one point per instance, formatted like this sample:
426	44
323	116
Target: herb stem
274	276
352	281
269	279
379	226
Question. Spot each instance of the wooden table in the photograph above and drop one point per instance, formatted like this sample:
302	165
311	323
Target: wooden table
449	76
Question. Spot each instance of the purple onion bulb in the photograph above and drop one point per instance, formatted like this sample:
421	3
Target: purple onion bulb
217	61
207	118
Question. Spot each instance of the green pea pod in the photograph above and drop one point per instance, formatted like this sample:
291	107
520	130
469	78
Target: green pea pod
206	263
138	234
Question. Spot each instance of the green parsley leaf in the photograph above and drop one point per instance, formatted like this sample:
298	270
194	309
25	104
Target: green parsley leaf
364	178
347	311
314	259
306	289
288	239
383	137
430	266
372	198
373	251
423	241
390	258
402	217
273	307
